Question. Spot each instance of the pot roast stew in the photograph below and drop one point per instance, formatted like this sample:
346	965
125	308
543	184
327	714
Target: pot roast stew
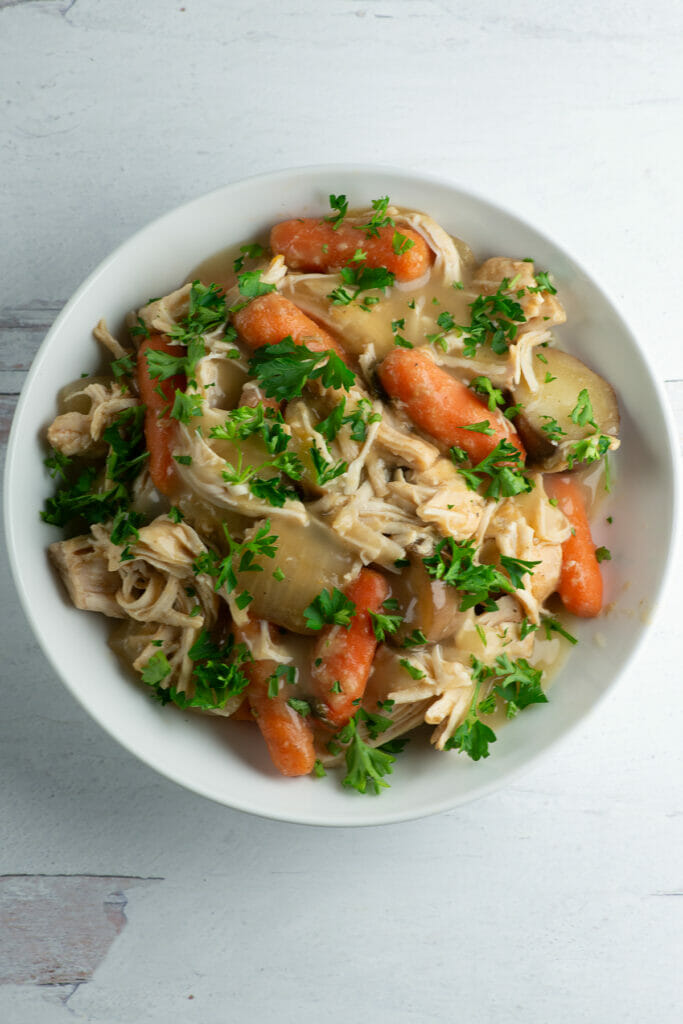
337	486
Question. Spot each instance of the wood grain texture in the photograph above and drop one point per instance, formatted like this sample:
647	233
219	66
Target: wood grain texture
55	930
556	899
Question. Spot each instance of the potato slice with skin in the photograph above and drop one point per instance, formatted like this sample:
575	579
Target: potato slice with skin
310	558
562	377
425	604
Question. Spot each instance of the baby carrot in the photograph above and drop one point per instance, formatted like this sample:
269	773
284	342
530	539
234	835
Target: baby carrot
443	407
270	318
580	580
158	397
342	658
288	736
310	244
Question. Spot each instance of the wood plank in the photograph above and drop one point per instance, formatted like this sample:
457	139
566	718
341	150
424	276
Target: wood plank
21	332
56	929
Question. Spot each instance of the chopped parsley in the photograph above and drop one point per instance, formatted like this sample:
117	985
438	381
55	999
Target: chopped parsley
330	608
361	279
502	467
326	471
543	283
283	370
206	313
552	429
163	365
552	625
603	554
252	252
186	406
341	207
415	639
401	244
494	322
242	555
589	450
384	623
366	766
483	386
453	562
413	670
251	286
77	499
246	420
582	413
378	219
517	568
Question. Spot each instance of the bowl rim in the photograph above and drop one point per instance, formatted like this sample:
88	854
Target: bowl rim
410	177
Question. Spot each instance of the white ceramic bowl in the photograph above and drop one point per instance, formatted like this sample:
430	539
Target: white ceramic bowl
219	759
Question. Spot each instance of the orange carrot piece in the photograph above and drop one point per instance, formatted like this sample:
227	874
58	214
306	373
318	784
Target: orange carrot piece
270	318
301	242
344	656
441	406
288	736
580	580
160	429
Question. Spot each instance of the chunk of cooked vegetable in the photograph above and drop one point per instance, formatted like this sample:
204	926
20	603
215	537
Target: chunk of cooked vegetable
581	585
442	407
428	607
288	735
271	318
342	658
308	560
572	403
158	397
314	245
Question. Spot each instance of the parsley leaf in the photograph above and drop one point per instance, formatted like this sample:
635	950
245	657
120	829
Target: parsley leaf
361	279
603	554
554	626
162	365
453	562
252	252
366	765
517	568
401	244
543	283
185	406
473	737
206	313
251	286
326	471
341	206
494	321
502	466
413	671
552	429
284	369
582	413
415	639
483	386
384	624
378	219
519	684
330	608
589	450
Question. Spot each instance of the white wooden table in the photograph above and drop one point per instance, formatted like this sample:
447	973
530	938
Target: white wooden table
126	899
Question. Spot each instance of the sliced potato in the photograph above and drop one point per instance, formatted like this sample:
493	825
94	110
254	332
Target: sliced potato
545	424
311	558
426	604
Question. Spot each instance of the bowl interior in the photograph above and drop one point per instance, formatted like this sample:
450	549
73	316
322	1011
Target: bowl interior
219	759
